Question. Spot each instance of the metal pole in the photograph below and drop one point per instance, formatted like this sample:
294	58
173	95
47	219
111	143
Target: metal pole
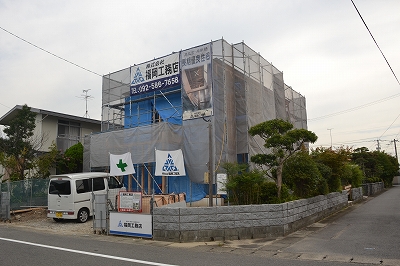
210	166
190	192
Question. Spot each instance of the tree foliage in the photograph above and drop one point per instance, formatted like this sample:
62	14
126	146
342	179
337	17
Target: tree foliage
247	187
282	141
352	175
376	164
301	174
242	185
72	160
45	162
335	160
17	148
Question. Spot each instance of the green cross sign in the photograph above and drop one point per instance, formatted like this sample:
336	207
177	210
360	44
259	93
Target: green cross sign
121	165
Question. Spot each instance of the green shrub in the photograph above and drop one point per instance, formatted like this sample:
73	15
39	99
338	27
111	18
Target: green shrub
247	187
357	176
335	160
372	180
72	160
301	174
243	186
269	193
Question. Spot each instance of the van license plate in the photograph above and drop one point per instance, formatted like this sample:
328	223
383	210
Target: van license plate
59	214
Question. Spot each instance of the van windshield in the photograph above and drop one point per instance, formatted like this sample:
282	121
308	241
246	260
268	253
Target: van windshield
60	187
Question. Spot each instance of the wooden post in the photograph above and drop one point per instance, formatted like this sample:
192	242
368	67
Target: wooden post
129	182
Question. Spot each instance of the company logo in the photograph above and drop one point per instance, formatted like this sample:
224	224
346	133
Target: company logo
169	165
120	224
138	78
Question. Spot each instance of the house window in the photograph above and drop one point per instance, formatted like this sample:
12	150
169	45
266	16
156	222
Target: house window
243	158
68	134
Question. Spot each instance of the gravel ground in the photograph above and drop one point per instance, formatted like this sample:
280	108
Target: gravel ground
37	218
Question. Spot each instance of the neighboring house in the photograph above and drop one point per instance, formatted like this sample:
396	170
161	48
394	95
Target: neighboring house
65	130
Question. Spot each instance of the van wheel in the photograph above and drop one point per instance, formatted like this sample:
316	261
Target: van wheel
83	215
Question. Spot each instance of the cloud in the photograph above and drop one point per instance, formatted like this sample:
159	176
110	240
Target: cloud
322	47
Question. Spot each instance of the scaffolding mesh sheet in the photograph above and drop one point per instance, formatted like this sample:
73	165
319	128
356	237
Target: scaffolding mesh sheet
246	90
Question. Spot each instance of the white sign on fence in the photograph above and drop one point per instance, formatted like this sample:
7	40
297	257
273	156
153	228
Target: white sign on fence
130	201
221	184
131	224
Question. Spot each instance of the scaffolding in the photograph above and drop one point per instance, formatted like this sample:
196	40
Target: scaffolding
228	85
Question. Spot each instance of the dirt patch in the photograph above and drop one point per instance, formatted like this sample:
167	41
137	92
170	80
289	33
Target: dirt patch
36	218
33	214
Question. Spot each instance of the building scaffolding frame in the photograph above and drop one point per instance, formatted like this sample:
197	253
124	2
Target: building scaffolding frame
245	90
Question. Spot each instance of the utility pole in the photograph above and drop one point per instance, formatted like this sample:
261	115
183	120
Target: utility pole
395	149
379	146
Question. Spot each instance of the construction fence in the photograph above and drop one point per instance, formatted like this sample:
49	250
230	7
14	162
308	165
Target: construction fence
26	193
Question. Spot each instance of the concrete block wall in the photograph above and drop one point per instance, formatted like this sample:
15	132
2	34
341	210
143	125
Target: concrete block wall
5	206
356	194
370	189
221	223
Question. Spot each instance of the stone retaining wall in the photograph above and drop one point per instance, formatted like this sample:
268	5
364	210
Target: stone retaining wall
221	223
356	194
370	189
4	206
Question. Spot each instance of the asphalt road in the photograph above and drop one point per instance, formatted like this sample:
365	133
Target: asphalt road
25	247
363	234
370	232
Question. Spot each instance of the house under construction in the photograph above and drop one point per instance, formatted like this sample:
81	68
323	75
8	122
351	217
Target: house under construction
202	100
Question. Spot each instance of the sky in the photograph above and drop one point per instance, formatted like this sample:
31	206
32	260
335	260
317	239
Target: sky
322	47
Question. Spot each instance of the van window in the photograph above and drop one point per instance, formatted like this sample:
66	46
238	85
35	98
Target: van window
113	183
98	184
60	187
85	185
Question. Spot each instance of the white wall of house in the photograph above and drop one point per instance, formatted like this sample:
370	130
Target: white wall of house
46	125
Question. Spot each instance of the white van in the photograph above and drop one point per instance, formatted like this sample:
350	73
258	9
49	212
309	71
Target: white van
70	195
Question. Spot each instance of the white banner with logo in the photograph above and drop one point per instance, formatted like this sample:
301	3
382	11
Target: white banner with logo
155	75
131	224
121	164
170	163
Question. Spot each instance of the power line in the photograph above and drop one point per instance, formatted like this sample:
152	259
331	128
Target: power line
390	126
5	106
355	108
59	57
370	33
371	103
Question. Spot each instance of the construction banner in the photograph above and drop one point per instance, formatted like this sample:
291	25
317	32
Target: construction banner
170	163
121	164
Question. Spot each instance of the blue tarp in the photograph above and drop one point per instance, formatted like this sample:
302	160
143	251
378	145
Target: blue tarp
179	184
170	110
175	184
138	114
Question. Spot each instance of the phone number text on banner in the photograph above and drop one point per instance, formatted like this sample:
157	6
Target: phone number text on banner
155	75
160	84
